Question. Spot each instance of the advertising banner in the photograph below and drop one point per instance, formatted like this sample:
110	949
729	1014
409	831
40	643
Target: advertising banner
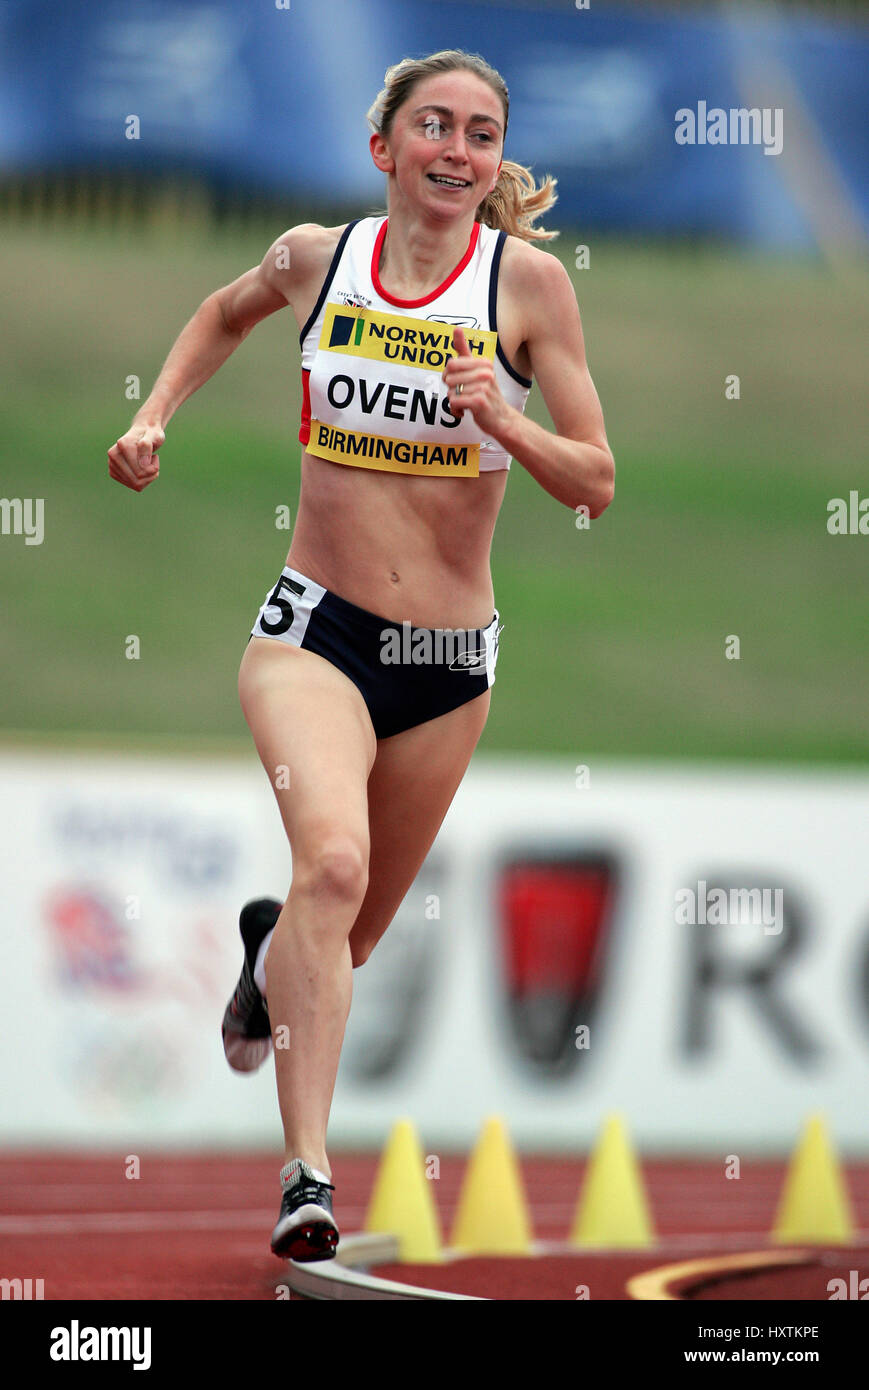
689	945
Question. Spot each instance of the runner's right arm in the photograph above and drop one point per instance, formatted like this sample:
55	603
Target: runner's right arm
221	322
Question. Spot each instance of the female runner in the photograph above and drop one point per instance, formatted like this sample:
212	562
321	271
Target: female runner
366	679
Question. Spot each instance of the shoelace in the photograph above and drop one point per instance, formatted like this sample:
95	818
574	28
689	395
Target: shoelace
310	1191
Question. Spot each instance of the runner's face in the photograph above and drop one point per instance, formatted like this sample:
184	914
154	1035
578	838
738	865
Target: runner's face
451	125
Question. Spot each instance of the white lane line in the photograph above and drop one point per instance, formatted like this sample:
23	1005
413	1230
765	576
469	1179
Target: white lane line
121	1222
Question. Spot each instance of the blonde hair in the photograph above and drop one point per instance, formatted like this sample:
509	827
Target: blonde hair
516	201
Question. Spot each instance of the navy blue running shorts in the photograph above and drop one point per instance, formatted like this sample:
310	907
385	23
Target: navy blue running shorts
407	675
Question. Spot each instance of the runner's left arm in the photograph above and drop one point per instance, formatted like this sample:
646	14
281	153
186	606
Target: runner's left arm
575	464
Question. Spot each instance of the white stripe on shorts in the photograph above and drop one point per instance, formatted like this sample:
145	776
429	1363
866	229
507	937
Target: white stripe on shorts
491	635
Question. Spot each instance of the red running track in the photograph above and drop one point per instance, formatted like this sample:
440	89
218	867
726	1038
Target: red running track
192	1227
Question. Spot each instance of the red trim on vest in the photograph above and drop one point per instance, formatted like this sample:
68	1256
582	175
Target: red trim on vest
305	430
417	303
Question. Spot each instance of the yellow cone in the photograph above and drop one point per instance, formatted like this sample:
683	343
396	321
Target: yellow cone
814	1205
492	1217
612	1209
402	1202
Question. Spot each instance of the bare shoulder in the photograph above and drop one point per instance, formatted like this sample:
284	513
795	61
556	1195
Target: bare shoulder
527	270
291	273
300	254
536	299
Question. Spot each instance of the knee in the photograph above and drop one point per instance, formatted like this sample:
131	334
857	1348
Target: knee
337	869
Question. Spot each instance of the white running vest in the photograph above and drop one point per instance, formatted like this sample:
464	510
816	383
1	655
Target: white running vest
373	394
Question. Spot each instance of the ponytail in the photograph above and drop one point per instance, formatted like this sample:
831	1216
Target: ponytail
516	202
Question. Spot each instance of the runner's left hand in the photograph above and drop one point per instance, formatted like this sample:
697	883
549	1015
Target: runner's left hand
480	391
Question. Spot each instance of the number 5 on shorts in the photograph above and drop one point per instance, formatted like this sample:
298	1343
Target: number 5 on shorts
275	601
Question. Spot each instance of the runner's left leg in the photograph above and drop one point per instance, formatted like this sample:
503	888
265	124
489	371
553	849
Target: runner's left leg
413	781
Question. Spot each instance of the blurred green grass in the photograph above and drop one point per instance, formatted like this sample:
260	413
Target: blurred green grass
614	638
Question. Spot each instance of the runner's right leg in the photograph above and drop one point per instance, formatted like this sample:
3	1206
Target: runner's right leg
315	739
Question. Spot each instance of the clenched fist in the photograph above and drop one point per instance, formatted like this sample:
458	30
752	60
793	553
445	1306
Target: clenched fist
134	460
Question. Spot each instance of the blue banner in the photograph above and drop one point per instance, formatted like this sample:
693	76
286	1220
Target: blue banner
273	99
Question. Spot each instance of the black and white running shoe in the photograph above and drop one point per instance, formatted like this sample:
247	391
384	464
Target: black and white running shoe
306	1228
247	1033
